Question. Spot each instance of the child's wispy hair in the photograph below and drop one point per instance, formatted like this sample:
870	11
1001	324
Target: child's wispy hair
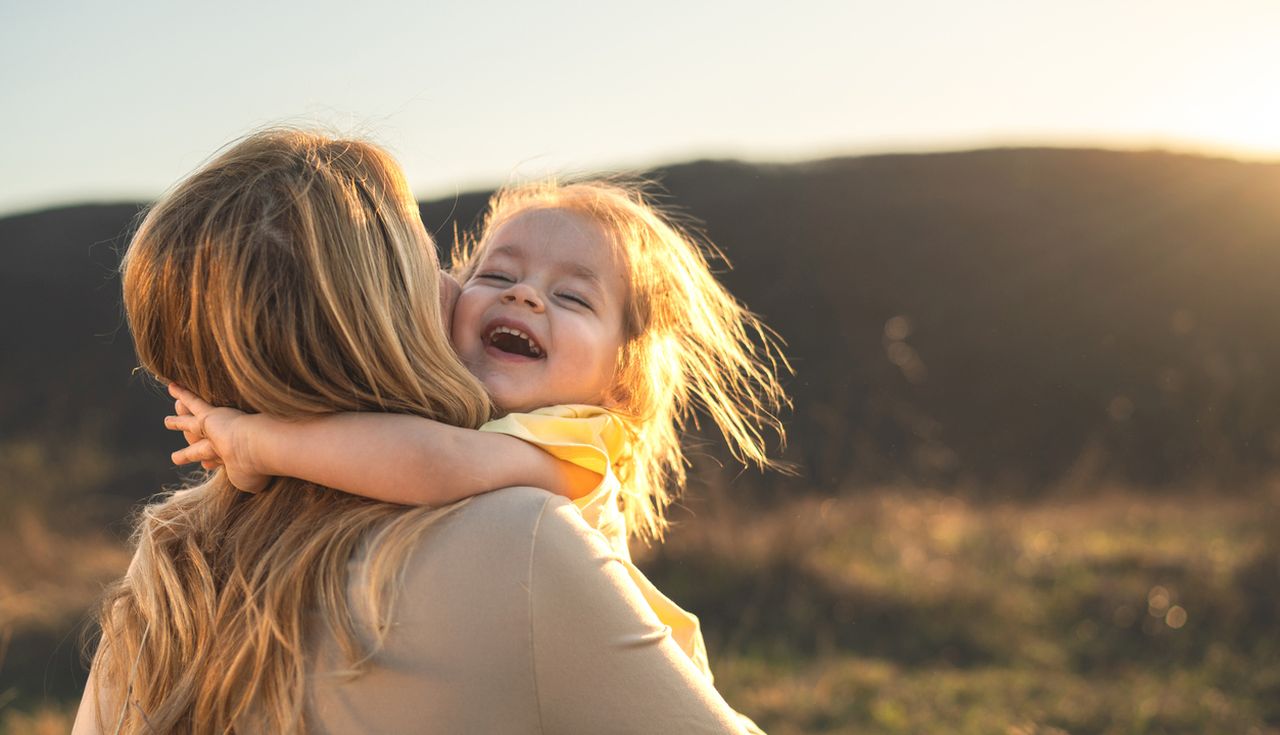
690	347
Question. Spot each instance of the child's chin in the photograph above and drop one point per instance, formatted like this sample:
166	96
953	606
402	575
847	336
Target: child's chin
506	403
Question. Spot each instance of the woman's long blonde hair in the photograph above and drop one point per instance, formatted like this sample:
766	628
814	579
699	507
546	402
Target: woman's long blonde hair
690	345
291	275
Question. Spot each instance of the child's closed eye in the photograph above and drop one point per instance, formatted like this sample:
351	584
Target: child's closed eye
575	298
496	276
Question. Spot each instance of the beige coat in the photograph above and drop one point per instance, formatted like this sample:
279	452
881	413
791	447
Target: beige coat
515	617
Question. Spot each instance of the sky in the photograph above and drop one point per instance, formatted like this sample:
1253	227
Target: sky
117	101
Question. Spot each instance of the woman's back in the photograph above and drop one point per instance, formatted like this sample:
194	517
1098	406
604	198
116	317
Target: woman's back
513	616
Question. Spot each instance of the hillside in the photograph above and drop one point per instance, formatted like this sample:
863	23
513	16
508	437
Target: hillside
1016	319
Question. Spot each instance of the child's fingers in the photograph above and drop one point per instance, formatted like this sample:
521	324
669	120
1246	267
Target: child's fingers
201	451
191	427
191	436
184	424
208	465
193	401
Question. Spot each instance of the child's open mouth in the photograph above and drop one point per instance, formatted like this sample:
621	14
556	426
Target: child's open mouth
513	341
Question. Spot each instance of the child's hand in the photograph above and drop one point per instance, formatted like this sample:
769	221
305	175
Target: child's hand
215	437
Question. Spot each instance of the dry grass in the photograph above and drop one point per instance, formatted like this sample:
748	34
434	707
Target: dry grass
49	578
46	720
897	611
907	611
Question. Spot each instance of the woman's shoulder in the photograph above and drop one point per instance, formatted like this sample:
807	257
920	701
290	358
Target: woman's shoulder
480	550
517	501
510	507
495	543
532	517
495	529
546	516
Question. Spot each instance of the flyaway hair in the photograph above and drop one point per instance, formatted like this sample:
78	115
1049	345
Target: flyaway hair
690	348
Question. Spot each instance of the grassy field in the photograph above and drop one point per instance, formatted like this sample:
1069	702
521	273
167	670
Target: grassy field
911	612
896	611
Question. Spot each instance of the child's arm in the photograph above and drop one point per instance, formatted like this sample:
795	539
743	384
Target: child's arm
396	458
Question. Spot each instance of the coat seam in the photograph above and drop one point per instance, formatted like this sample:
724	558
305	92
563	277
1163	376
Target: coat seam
533	648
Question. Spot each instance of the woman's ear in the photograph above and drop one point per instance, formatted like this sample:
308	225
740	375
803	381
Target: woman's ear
449	291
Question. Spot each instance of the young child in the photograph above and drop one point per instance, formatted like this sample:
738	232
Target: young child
597	327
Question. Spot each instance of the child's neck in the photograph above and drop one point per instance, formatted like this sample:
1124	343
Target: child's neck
503	410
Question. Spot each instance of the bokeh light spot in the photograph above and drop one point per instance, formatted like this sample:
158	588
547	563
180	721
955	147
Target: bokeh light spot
1158	600
1120	408
898	328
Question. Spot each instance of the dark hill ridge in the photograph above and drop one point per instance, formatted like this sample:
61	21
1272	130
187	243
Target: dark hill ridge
1021	314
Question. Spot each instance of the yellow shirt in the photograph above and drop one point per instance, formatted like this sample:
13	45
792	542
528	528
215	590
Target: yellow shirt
593	438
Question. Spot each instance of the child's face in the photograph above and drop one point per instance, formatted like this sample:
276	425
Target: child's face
540	322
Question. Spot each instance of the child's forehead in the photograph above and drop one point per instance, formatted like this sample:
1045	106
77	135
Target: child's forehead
553	234
549	221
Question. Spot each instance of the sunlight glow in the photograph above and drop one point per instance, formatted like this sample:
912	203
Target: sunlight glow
1231	101
482	104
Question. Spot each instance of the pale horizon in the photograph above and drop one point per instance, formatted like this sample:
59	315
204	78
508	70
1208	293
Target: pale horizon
1187	148
117	104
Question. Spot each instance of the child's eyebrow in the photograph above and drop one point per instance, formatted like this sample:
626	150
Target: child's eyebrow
574	269
508	250
583	272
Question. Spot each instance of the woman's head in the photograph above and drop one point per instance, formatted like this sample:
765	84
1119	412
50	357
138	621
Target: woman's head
684	343
292	275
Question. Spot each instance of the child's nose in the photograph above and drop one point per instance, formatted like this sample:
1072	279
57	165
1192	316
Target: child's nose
521	293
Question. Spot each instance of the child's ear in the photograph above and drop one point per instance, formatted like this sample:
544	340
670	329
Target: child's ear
619	395
612	401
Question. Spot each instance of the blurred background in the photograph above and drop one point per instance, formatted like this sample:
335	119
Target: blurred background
1024	257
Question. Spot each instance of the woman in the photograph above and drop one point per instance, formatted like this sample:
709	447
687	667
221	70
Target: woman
292	276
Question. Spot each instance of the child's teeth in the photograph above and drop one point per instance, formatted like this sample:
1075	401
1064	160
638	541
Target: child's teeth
533	346
509	330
